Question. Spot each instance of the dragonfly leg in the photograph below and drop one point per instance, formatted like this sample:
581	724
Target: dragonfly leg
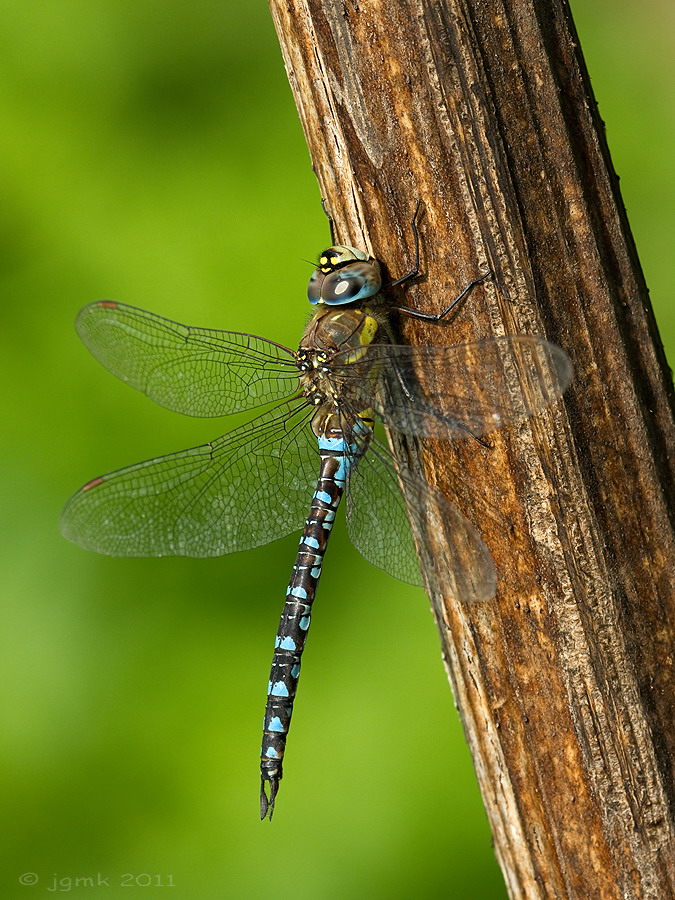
436	317
331	220
452	423
415	271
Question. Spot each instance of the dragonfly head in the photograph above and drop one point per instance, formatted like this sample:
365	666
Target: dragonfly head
344	275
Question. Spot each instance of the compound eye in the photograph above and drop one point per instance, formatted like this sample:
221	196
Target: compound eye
342	287
350	283
315	285
343	277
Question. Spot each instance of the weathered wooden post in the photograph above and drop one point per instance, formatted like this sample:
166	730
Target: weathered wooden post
565	682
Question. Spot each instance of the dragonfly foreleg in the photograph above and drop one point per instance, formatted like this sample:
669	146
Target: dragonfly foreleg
415	271
331	220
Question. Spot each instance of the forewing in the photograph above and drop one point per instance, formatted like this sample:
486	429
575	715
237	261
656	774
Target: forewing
458	391
194	371
249	487
380	528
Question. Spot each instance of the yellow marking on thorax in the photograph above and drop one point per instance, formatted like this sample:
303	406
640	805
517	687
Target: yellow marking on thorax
369	330
366	335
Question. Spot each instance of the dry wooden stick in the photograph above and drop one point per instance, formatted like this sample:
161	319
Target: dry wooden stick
565	682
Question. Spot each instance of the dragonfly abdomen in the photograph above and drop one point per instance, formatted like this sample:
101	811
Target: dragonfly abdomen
337	456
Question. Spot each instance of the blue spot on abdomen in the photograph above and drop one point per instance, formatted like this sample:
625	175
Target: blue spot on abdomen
287	644
332	443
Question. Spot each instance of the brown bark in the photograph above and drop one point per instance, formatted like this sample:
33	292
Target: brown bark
565	682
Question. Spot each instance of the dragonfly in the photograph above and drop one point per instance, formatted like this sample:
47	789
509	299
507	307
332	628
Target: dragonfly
312	441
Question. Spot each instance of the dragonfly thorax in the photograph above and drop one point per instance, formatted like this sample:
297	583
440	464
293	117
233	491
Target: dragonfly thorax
333	340
315	377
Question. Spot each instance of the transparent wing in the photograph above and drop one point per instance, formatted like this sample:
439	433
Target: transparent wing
194	371
458	391
244	489
380	528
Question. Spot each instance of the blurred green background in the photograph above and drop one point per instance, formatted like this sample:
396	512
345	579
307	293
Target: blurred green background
151	153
